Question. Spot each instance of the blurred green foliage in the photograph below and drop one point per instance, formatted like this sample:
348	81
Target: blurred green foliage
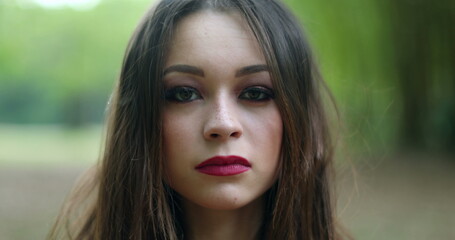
390	65
59	65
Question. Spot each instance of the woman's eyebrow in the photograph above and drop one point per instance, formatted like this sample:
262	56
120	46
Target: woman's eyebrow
251	69
184	69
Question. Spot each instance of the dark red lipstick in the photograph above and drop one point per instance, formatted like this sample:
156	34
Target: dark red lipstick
224	166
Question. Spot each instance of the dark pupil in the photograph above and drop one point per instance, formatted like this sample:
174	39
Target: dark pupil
254	94
184	94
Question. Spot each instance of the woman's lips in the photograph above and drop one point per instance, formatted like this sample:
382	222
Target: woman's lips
224	166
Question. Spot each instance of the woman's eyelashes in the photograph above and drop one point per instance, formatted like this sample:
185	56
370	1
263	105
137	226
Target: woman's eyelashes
257	94
183	94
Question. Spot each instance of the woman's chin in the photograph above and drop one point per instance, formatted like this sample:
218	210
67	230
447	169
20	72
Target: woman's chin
222	202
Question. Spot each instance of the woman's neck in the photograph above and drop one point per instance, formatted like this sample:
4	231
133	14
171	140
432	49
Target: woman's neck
239	224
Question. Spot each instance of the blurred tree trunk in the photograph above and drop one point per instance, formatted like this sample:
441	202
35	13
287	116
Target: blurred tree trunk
422	35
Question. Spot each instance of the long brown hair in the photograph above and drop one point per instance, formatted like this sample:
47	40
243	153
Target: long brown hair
131	200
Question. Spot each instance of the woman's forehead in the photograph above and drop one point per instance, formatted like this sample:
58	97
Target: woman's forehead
202	23
219	37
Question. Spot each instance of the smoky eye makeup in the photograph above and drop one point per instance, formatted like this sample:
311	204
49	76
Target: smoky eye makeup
257	94
182	94
257	87
181	89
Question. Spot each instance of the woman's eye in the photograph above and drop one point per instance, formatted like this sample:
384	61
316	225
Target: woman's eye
257	94
182	94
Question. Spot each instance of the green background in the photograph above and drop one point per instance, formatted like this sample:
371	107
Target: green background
390	65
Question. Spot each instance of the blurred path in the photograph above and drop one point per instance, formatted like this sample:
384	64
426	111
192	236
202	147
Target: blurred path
409	196
31	198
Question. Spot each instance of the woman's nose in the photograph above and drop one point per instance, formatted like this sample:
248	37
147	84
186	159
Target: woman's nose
222	122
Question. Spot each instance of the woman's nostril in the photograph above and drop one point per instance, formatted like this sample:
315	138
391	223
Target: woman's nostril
235	134
223	135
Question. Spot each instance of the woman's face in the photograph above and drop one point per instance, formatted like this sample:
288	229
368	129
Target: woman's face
222	128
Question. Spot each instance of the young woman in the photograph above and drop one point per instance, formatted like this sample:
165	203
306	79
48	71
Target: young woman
216	131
